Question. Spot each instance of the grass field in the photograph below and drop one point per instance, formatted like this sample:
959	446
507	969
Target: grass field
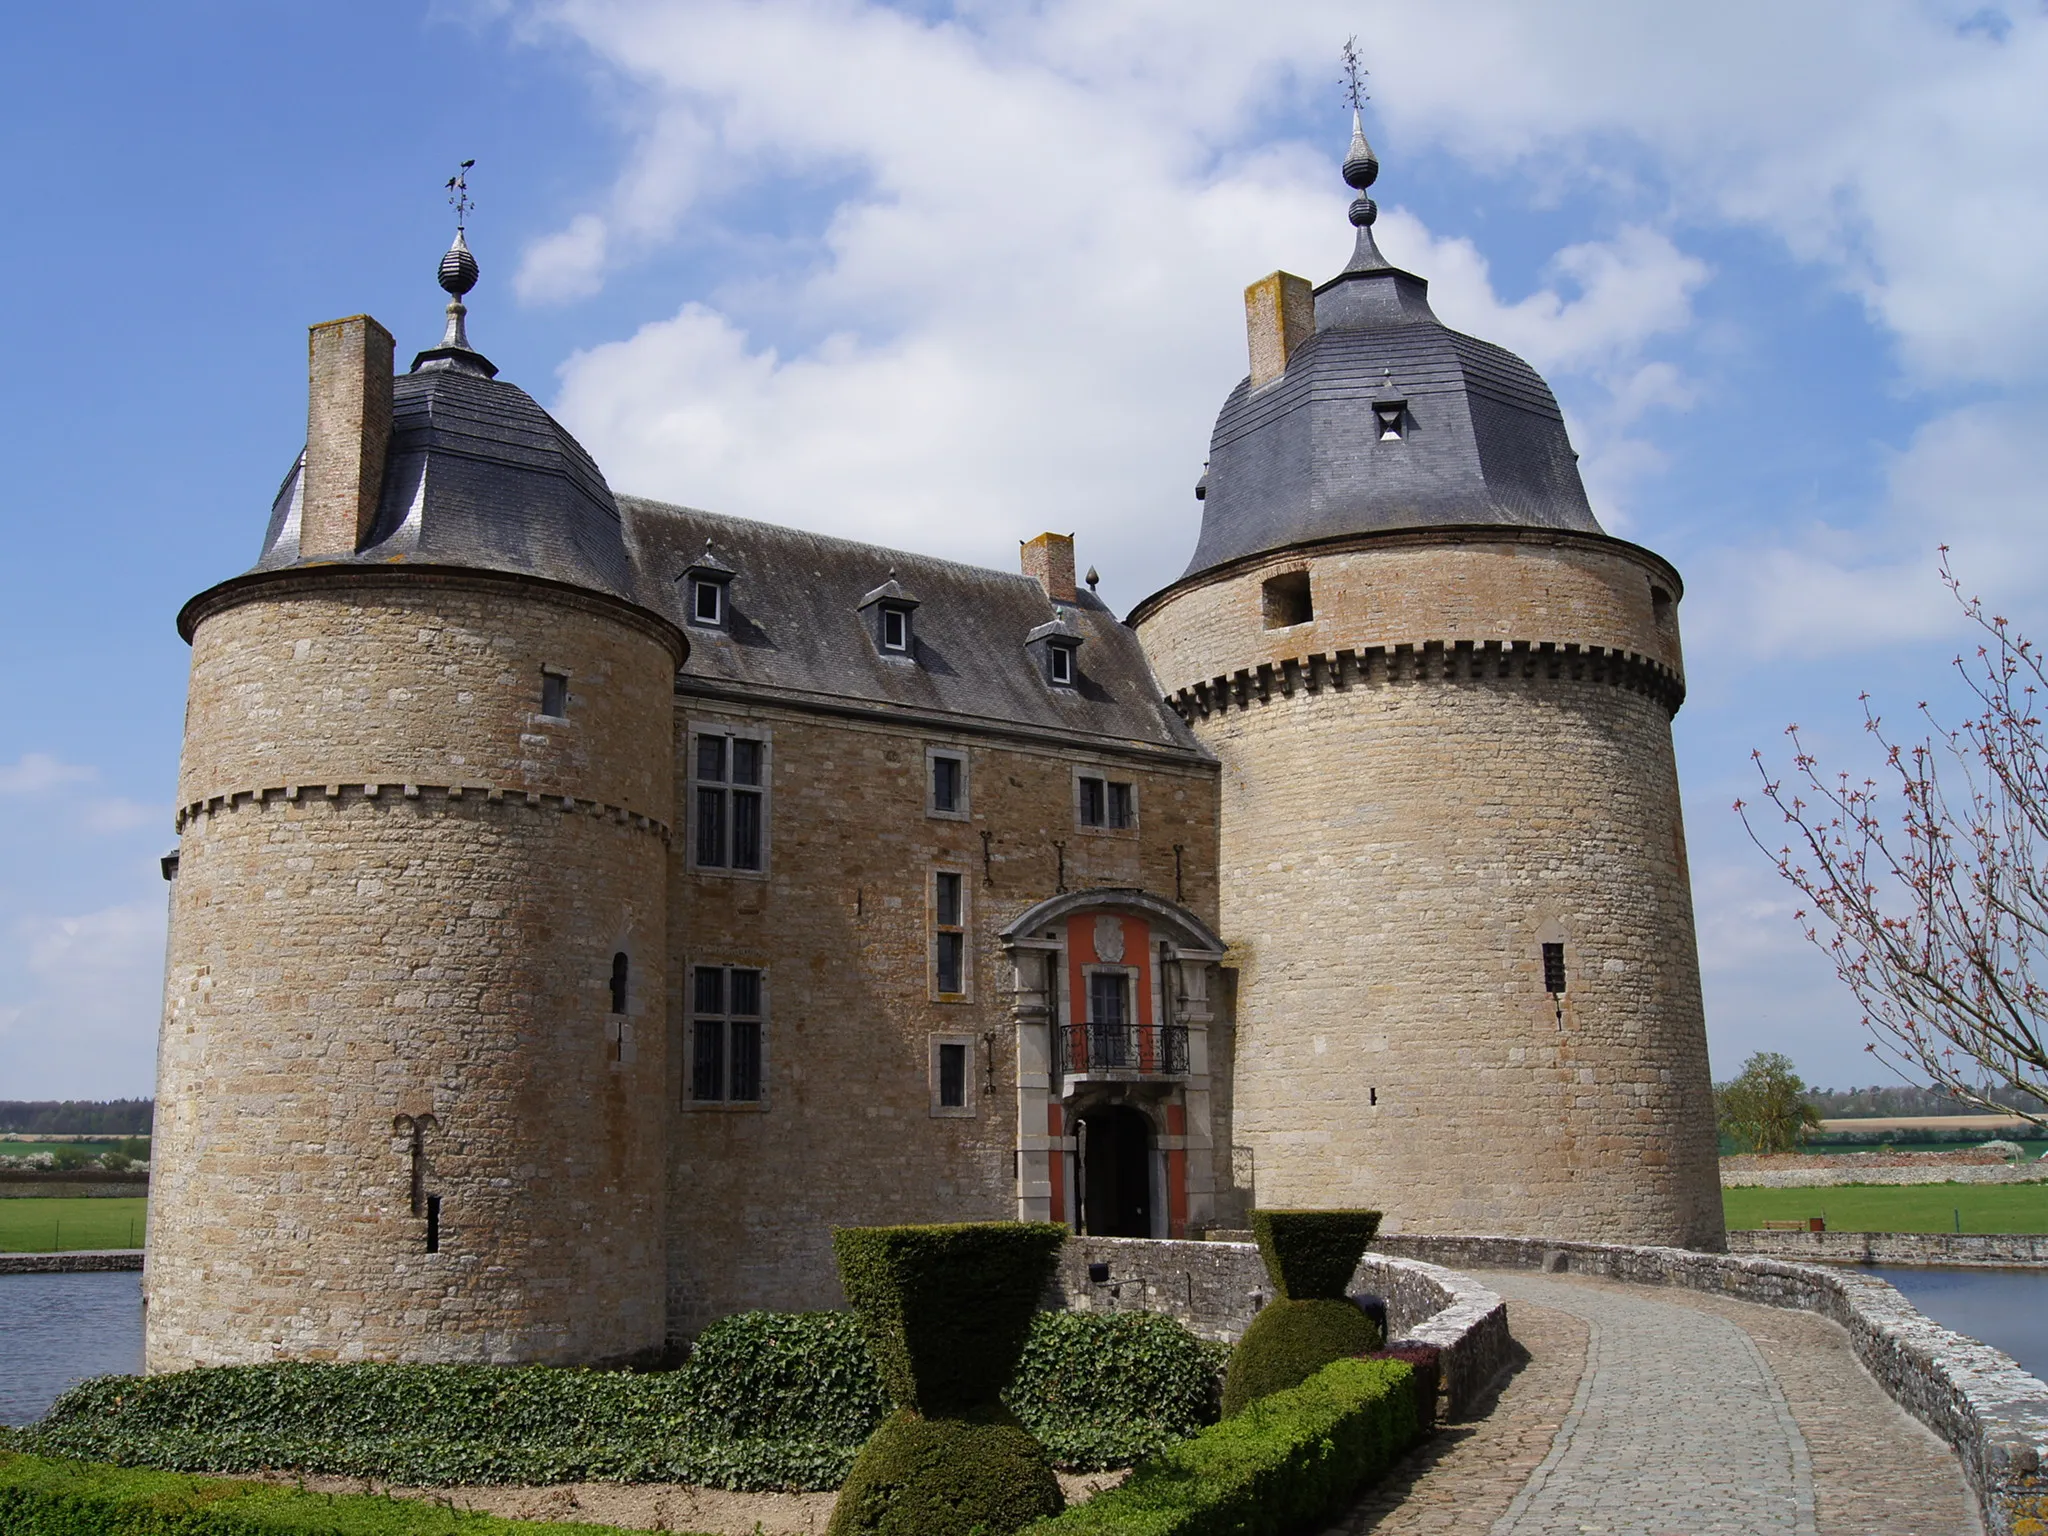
1896	1207
48	1225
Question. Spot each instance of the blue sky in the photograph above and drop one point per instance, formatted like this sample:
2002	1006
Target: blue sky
947	276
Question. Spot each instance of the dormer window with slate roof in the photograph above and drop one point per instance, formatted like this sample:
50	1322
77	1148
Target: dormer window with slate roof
705	584
1054	647
889	611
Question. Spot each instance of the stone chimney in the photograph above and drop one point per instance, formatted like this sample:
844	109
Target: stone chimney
348	428
1049	561
1279	315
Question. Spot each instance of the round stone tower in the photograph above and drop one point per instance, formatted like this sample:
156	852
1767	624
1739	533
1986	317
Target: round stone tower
410	1076
1452	866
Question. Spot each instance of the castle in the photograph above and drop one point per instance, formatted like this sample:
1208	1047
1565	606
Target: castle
584	904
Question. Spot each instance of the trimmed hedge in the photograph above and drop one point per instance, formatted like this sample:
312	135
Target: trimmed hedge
946	1310
1311	1255
946	1477
1288	1342
41	1497
1293	1459
765	1400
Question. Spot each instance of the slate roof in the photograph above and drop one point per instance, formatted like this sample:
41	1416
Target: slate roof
795	630
479	475
1301	458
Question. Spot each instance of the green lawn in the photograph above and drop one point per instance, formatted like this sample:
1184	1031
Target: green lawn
1896	1207
47	1225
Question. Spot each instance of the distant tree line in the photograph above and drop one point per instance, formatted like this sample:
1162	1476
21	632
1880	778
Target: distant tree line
78	1117
1871	1103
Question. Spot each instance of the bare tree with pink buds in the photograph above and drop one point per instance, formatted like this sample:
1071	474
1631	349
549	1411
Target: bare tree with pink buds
1935	922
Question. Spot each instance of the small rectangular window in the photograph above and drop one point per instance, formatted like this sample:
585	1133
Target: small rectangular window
948	786
729	827
1108	803
1553	969
949	933
554	695
952	1075
1059	663
726	1023
895	630
1094	803
707	602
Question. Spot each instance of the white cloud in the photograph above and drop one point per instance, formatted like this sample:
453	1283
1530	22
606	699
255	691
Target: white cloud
568	264
80	1014
37	773
1022	311
1971	479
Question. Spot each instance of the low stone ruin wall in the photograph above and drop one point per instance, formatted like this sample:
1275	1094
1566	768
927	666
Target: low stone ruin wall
1992	1412
1216	1288
1883	1173
1894	1247
84	1263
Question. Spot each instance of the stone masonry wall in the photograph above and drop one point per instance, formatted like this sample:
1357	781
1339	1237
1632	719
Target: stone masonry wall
1217	1288
840	925
399	893
1400	839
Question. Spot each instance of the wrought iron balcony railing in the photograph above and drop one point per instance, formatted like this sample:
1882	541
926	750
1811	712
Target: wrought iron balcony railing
1144	1050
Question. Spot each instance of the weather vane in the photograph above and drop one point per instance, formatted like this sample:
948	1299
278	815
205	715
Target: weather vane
458	192
1354	75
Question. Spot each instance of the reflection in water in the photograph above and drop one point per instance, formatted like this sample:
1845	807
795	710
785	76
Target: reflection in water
2005	1308
56	1330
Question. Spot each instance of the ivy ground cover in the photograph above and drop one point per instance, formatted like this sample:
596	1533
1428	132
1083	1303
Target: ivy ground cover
765	1401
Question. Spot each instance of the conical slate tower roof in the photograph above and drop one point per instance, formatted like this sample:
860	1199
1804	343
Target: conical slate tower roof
477	475
1385	418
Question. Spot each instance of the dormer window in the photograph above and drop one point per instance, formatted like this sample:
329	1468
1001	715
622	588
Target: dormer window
1054	648
890	612
1391	415
707	603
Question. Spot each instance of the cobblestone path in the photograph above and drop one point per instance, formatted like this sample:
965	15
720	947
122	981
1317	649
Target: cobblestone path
1645	1411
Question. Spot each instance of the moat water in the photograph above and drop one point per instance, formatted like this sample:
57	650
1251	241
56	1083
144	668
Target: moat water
56	1330
2006	1308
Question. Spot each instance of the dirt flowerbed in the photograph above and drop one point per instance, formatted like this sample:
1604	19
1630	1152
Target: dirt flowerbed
650	1506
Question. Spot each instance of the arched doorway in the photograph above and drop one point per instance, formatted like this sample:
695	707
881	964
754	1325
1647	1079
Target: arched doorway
1116	1172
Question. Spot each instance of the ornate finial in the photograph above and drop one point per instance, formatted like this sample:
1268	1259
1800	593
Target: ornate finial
458	194
1092	578
458	274
1361	165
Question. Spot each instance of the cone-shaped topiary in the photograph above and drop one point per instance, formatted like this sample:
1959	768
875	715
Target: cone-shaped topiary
1311	1255
946	1312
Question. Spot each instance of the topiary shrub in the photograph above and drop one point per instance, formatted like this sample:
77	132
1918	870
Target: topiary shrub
927	1477
1289	1463
1288	1342
1311	1255
946	1311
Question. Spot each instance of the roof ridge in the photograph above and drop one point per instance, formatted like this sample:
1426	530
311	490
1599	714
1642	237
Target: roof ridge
882	551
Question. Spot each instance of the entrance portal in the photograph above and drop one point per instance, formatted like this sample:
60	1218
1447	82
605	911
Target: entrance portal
1116	1172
